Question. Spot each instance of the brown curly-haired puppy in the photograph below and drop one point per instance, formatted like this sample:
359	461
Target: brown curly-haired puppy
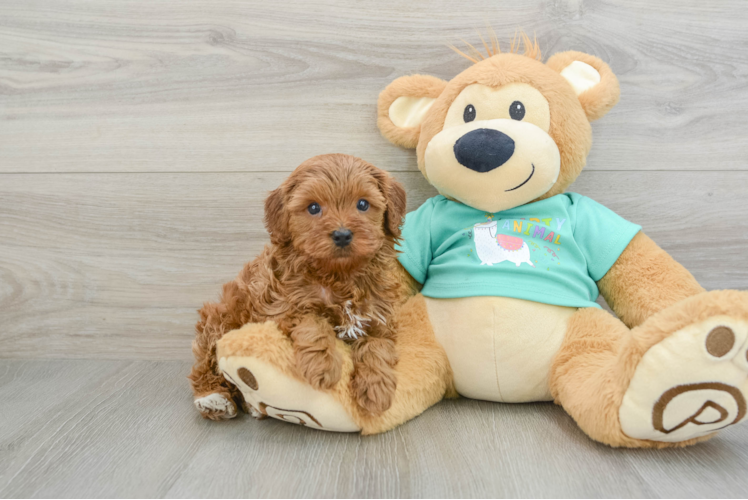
330	271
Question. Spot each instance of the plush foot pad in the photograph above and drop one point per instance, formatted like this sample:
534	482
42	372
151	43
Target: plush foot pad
691	384
216	407
270	393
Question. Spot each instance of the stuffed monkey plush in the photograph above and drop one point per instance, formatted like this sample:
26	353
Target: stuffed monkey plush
510	266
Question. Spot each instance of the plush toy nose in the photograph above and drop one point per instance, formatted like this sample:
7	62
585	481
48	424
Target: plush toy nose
342	237
484	149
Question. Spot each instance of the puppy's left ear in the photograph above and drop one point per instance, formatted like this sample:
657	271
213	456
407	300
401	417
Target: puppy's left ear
394	193
592	80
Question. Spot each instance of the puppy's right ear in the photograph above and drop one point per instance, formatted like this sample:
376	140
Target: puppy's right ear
276	220
403	105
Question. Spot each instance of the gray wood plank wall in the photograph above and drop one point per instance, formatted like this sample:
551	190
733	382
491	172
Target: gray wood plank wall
138	140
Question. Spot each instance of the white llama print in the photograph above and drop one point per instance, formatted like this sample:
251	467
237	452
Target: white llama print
492	249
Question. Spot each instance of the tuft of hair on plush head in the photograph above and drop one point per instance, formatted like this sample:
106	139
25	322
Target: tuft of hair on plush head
520	41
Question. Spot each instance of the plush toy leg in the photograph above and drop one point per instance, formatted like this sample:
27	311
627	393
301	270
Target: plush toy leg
259	360
674	380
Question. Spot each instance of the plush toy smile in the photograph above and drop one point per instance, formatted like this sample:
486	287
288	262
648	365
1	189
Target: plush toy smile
525	181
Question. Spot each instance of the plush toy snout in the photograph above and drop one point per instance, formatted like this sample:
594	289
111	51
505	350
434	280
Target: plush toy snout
484	149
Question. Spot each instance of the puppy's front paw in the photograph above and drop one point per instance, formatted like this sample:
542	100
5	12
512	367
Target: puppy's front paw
374	391
321	368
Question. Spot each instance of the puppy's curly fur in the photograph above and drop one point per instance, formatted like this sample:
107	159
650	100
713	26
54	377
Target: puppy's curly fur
315	289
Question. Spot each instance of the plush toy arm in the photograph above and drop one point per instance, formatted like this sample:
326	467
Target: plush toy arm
644	280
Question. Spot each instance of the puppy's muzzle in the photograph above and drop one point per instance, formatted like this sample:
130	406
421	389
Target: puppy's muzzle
342	237
484	149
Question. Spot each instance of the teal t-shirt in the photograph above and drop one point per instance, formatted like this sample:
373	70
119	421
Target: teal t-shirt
551	251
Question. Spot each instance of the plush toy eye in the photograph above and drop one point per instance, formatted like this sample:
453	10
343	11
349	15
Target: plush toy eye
517	110
469	114
314	208
363	205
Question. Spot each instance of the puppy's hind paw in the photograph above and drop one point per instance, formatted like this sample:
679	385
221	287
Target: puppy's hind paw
216	407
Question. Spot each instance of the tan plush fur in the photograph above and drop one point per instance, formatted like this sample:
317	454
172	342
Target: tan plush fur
310	286
601	98
645	280
521	41
405	86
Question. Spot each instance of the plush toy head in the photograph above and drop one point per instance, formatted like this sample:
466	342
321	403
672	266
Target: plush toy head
506	131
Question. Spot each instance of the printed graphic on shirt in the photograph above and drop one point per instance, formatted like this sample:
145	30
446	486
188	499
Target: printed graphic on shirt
492	247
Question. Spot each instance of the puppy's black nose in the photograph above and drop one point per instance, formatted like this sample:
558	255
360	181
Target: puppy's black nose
484	149
342	237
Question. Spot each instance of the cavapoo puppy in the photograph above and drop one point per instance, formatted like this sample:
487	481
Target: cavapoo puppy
330	271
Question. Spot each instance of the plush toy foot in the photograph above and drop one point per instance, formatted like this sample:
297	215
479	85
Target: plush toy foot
268	392
216	407
692	383
259	360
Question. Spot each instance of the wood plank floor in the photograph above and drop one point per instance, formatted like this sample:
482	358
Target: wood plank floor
137	142
128	429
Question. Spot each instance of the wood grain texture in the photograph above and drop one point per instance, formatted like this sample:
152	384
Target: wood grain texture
115	265
128	429
141	86
137	142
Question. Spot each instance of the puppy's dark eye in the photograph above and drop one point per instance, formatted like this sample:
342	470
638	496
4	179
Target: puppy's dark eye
362	205
469	114
517	110
314	208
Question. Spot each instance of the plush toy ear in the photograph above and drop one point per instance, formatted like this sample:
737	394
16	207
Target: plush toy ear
593	81
403	105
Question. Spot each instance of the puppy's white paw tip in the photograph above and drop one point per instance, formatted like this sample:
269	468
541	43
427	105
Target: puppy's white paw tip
216	403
